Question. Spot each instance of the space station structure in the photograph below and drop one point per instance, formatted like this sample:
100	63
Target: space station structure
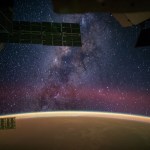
55	34
126	12
7	123
45	33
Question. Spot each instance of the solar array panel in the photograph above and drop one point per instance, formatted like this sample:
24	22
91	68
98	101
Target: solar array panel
55	34
7	123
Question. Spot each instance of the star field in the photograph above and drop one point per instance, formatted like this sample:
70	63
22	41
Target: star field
106	74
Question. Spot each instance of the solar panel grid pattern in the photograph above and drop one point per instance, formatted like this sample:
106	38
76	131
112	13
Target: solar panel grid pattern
55	34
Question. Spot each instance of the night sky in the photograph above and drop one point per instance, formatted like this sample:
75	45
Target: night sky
106	74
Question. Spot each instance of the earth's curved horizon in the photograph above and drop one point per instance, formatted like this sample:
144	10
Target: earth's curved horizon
76	130
124	116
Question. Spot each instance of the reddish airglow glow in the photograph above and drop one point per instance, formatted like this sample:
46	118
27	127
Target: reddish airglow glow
121	100
96	94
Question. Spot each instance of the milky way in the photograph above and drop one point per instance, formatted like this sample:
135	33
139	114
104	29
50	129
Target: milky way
106	74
